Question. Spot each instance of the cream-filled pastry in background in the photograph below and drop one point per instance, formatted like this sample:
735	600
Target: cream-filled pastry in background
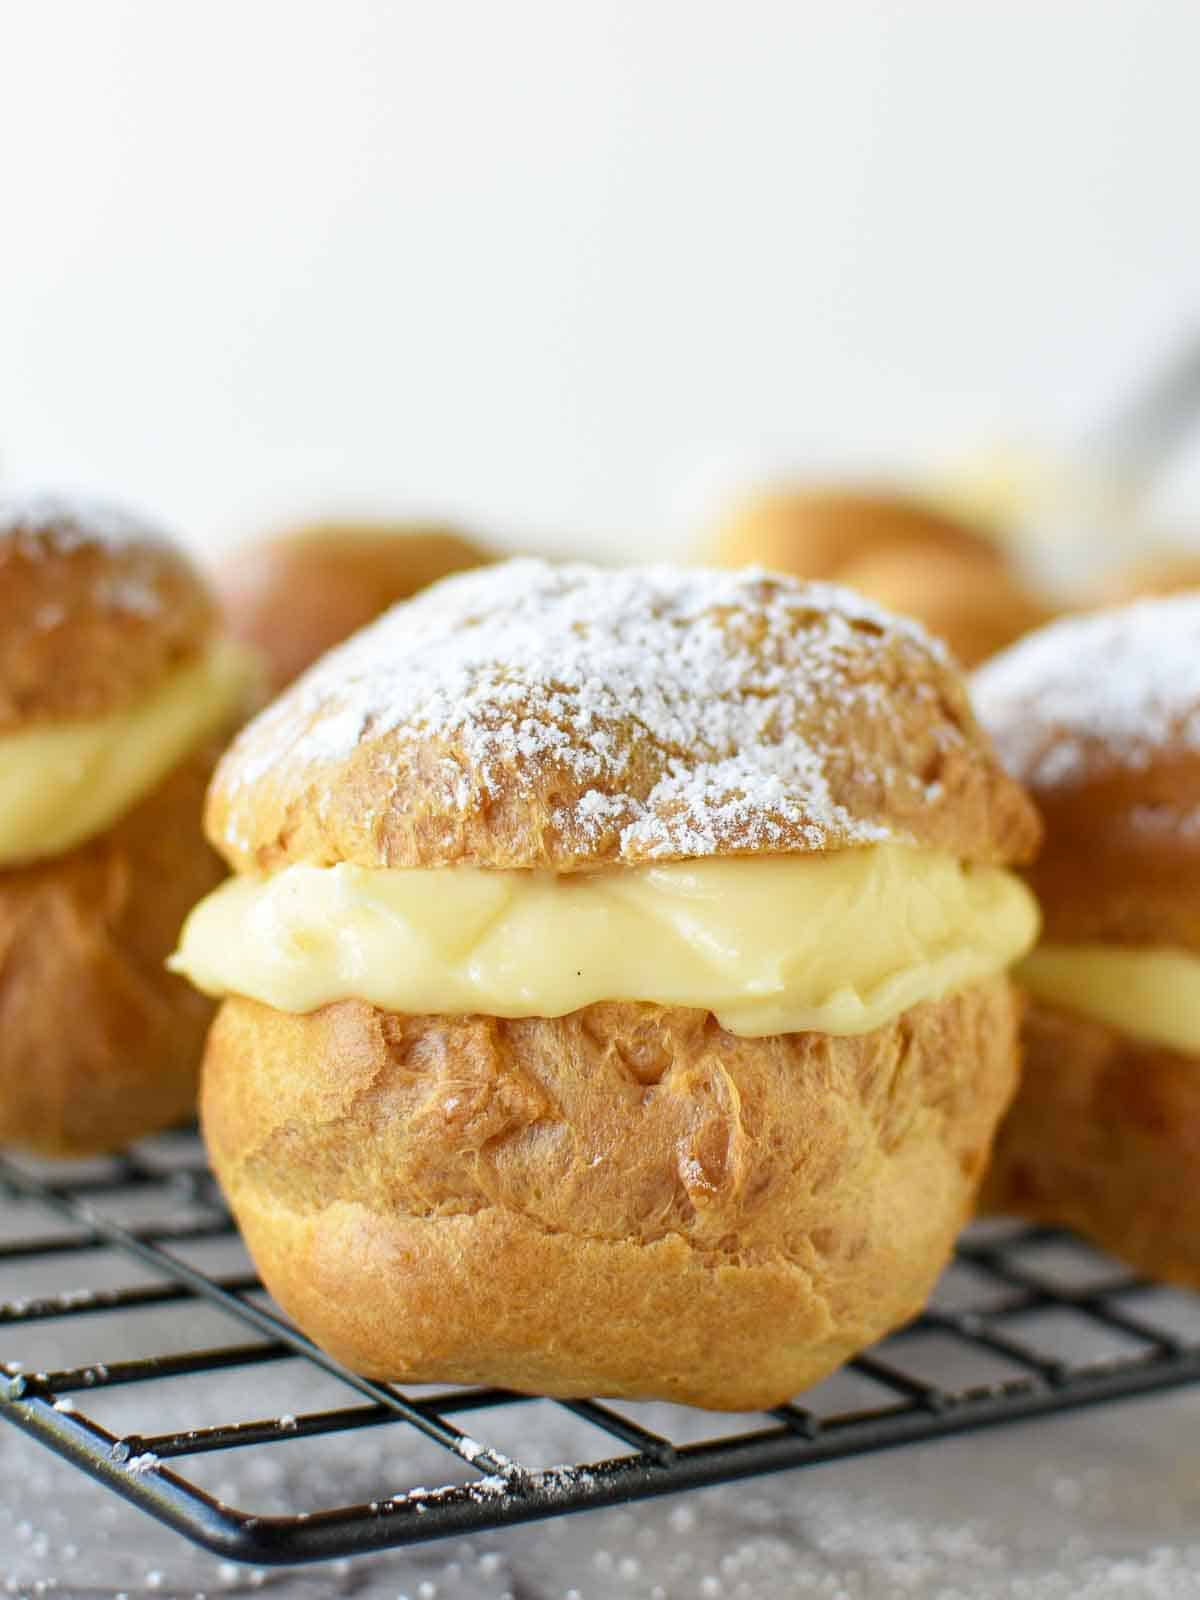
1100	716
115	691
900	550
294	596
553	986
1154	573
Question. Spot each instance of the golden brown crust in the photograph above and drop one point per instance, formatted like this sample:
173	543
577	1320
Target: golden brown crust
1104	1137
296	596
623	717
976	606
822	532
627	1200
95	610
99	1044
1099	715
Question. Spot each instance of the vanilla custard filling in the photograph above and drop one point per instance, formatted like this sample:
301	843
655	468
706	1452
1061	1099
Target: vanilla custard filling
1149	993
840	942
64	782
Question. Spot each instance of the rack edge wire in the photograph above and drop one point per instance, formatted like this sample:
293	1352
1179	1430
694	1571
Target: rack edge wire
515	1494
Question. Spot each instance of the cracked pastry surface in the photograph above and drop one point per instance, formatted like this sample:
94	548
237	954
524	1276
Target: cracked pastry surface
625	1201
533	716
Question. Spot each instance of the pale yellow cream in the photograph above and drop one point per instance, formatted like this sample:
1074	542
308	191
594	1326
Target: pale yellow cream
837	943
64	782
1151	994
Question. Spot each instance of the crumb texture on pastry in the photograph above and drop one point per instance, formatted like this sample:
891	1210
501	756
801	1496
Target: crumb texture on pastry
99	1044
528	715
625	1201
98	609
1104	1138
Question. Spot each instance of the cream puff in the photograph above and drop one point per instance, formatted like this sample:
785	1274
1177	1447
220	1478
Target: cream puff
1100	716
899	551
1162	572
615	980
976	608
295	596
114	687
820	530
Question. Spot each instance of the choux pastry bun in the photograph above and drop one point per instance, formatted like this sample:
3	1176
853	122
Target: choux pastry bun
114	690
977	608
615	982
1161	573
819	531
295	596
1100	716
898	550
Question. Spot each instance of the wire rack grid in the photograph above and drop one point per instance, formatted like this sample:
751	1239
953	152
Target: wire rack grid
1027	1323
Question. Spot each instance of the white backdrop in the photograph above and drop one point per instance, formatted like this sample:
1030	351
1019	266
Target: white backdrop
558	266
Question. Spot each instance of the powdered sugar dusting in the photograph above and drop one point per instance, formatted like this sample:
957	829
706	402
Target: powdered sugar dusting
61	523
34	527
532	666
1118	687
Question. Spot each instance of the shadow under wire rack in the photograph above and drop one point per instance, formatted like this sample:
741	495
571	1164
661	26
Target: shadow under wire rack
1026	1323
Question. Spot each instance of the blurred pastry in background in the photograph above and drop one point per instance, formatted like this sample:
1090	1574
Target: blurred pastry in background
1161	572
1099	715
116	692
624	952
817	532
295	596
976	607
899	550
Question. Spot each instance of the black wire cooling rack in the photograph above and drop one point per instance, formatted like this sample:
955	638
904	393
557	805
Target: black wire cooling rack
1026	1323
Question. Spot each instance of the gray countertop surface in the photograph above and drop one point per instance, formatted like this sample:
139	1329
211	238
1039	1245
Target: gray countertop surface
1101	1503
1097	1503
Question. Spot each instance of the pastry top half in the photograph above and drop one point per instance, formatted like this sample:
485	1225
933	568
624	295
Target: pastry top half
112	671
564	718
1099	716
97	610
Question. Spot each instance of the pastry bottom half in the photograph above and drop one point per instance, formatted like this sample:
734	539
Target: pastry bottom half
99	1044
1104	1138
625	1201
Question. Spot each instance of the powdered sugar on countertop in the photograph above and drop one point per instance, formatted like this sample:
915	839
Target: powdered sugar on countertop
1121	686
529	663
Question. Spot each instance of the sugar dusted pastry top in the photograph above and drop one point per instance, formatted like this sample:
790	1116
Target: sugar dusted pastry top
529	715
95	610
1112	692
1100	716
